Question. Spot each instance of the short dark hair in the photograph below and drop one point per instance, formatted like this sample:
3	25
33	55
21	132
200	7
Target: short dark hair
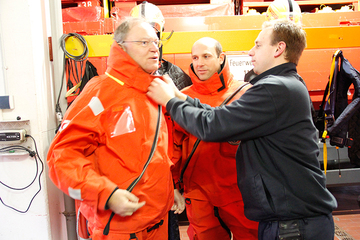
292	34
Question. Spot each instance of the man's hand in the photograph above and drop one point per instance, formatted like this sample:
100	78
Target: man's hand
179	202
124	203
162	90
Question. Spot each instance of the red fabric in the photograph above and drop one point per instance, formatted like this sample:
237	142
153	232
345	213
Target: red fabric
212	169
186	10
82	229
204	225
210	178
197	10
82	14
160	233
103	143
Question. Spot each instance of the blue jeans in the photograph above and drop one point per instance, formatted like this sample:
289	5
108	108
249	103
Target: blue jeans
313	228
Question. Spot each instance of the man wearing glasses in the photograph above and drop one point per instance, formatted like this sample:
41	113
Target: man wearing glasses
110	154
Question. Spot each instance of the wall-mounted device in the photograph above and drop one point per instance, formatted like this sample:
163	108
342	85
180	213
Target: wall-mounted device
13	136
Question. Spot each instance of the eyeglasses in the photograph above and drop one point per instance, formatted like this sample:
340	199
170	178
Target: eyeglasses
145	43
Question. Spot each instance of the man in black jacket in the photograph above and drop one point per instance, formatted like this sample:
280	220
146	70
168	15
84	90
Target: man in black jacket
279	174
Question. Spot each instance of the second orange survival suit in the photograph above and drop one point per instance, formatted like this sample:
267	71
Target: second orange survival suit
210	181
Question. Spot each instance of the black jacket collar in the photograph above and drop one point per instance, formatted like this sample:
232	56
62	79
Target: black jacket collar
282	69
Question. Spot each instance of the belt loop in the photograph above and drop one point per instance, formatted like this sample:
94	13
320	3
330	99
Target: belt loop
133	236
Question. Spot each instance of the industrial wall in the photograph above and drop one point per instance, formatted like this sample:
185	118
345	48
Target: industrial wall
28	76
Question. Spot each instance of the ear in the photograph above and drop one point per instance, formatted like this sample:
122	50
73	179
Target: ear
222	57
122	47
281	46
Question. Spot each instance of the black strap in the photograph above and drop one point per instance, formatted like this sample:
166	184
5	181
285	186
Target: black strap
198	140
188	160
290	6
156	226
142	9
132	185
153	147
133	236
291	11
321	107
222	223
233	94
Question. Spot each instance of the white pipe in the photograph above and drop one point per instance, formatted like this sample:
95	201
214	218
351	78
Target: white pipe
2	67
70	215
58	68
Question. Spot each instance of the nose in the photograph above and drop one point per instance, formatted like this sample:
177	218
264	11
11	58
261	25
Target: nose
200	62
154	47
154	43
251	52
157	44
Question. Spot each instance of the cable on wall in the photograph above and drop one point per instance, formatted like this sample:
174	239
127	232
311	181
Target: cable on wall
35	155
83	56
72	63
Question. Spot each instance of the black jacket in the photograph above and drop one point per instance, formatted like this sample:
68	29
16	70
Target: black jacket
279	174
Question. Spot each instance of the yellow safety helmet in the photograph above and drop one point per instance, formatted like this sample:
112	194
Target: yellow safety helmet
152	15
284	9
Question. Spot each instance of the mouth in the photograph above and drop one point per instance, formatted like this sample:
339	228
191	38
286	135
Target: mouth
154	58
201	71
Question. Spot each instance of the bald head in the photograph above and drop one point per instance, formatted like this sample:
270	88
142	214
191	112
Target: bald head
210	43
207	57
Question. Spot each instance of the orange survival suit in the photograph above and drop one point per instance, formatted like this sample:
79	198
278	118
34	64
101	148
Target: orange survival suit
103	143
210	179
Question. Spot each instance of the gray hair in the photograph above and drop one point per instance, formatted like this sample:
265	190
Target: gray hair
123	29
